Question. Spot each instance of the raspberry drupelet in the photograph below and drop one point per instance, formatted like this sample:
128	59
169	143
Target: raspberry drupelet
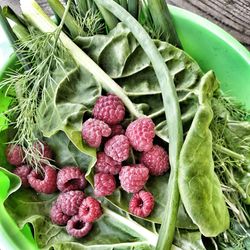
57	216
104	184
14	155
23	171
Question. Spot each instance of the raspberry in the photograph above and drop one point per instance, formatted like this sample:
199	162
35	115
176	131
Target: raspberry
117	130
23	172
90	210
70	202
109	109
45	182
156	160
57	216
77	228
104	184
141	204
141	134
117	148
107	165
133	178
93	130
14	154
44	150
70	178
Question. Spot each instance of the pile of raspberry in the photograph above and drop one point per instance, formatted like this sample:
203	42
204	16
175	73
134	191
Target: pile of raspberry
72	208
104	131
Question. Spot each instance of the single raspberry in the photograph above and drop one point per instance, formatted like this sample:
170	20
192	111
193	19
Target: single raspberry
90	210
106	164
104	184
23	171
70	202
141	204
93	130
44	182
133	178
117	130
109	109
117	148
156	160
70	178
141	134
44	150
77	228
14	155
57	216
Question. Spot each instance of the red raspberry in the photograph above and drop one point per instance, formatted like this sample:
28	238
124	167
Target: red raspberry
90	210
117	130
104	184
107	165
70	202
117	148
14	154
57	216
141	204
141	134
156	160
45	182
77	228
93	130
70	178
44	150
23	172
109	109
133	178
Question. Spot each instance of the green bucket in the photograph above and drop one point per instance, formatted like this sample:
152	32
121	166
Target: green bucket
208	44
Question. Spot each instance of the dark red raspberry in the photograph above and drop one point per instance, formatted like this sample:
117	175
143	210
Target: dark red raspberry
141	134
70	202
156	160
106	164
77	228
90	210
44	150
57	216
23	171
133	178
117	148
15	155
44	182
109	109
104	184
117	130
70	178
93	130
141	204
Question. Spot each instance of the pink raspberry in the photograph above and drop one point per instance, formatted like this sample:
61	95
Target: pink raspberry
141	134
133	178
106	164
117	148
156	160
109	109
57	216
70	178
90	210
70	202
93	130
23	171
44	150
104	184
14	155
77	228
117	130
44	182
141	204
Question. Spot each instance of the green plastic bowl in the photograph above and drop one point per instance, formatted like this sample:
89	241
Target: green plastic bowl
209	45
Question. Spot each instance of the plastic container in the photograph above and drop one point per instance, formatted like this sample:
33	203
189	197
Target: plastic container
209	45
